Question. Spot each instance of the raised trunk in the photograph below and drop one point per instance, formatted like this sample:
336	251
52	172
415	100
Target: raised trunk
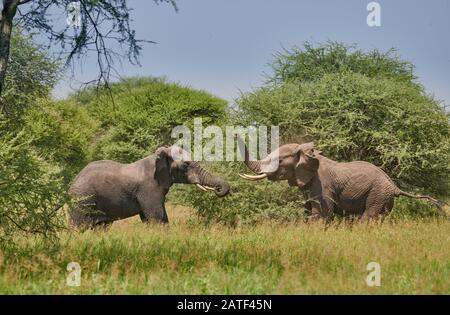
6	24
255	166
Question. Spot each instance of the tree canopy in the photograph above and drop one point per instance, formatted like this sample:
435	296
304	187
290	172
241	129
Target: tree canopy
105	31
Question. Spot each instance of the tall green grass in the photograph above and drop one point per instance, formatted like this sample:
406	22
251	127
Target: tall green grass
186	257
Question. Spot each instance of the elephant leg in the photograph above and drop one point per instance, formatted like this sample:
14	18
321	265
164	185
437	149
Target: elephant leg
154	214
370	214
146	218
376	204
321	208
152	209
388	206
313	210
81	214
327	206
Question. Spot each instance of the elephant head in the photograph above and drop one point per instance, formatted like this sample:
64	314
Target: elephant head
174	165
296	163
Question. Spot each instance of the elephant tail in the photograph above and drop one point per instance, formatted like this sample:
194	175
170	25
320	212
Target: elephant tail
436	202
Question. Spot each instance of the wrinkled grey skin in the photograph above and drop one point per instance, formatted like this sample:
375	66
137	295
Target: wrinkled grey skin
107	191
351	188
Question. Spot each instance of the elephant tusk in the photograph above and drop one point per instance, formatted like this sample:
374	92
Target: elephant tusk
201	187
204	188
253	177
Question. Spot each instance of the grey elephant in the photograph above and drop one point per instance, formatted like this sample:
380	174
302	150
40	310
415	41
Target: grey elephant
106	191
348	188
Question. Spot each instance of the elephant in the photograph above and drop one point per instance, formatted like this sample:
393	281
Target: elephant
106	191
354	188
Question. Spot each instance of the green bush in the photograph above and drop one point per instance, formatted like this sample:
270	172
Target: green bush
61	133
31	190
31	74
43	143
247	204
140	116
310	63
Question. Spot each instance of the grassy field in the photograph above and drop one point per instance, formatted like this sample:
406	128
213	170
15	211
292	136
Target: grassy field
189	258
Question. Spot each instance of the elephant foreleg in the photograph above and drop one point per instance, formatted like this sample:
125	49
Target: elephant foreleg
158	215
313	210
320	208
152	210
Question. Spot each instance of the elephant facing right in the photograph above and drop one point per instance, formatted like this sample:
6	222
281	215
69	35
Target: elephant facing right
351	188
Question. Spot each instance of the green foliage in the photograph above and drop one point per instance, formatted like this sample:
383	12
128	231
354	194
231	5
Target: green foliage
143	114
31	74
310	63
42	143
38	159
61	133
31	190
247	204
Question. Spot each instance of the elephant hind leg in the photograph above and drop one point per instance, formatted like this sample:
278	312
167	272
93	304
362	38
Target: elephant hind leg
377	205
84	214
388	206
78	216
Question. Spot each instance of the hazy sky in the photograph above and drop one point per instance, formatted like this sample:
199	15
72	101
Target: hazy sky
224	46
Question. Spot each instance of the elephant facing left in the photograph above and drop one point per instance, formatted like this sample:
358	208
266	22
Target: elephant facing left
106	191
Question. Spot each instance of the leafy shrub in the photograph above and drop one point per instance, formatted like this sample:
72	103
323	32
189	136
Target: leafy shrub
247	204
31	74
31	190
61	133
143	113
310	63
42	143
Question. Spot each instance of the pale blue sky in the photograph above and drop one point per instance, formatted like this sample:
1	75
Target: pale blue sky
224	46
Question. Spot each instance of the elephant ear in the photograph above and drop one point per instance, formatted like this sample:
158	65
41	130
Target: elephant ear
307	165
162	168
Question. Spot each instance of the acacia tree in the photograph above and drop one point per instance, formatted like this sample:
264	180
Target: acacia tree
104	25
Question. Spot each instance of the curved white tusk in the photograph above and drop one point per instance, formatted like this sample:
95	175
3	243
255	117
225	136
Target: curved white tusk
204	188
253	177
201	187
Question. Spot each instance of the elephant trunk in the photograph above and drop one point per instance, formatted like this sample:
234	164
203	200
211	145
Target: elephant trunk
206	180
255	166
